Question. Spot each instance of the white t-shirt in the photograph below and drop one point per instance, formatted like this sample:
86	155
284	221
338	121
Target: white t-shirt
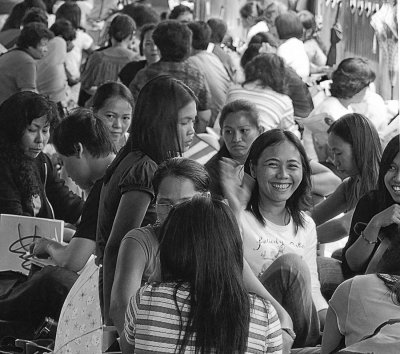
262	245
315	136
73	59
295	55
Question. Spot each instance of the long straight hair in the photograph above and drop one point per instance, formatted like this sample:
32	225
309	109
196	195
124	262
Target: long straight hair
360	133
390	152
154	128
201	246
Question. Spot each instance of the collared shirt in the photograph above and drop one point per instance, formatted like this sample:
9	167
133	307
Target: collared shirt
183	71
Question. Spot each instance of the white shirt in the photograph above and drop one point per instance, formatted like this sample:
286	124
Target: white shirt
262	245
295	55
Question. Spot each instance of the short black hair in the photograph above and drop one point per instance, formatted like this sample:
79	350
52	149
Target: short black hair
35	14
288	25
201	34
32	34
64	29
350	77
143	31
85	127
71	12
178	10
173	39
121	27
141	14
218	29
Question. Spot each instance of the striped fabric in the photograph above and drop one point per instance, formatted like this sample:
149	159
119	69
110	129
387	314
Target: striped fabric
152	321
275	109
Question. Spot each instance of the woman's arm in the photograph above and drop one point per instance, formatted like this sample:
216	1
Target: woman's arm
73	256
130	214
323	181
360	251
335	229
129	271
331	207
331	337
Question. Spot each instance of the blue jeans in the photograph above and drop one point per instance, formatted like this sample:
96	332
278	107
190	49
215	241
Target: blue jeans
288	280
330	275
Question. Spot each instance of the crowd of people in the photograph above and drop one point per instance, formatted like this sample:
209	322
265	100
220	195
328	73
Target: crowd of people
202	177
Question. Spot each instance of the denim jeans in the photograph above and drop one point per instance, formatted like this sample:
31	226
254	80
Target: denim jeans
288	280
41	295
330	275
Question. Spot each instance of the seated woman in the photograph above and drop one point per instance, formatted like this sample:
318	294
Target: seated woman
175	180
201	304
114	102
376	214
29	184
349	85
266	87
106	63
356	150
365	310
85	146
240	126
279	240
312	43
163	128
292	50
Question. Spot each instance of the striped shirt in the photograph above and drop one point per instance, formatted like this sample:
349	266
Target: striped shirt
152	321
275	109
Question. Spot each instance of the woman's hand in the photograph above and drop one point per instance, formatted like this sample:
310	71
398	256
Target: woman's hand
390	215
39	247
237	191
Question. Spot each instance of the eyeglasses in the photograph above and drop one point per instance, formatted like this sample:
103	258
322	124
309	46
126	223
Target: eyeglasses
165	208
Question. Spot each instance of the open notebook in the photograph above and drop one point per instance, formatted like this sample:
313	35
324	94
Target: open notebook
17	233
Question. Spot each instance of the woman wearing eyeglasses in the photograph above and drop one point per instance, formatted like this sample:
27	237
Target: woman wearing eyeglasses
175	181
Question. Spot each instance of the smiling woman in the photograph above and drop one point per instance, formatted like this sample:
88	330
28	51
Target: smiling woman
279	240
29	185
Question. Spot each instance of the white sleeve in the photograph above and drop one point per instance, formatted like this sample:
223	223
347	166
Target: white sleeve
310	257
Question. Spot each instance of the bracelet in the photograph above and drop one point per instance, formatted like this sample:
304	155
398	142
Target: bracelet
290	332
366	240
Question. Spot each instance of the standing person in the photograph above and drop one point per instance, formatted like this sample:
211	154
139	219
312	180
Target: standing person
218	32
279	240
216	76
51	75
202	292
163	127
114	102
148	49
29	184
173	40
82	44
106	63
18	66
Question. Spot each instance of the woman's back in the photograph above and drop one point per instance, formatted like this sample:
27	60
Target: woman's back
161	334
361	304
